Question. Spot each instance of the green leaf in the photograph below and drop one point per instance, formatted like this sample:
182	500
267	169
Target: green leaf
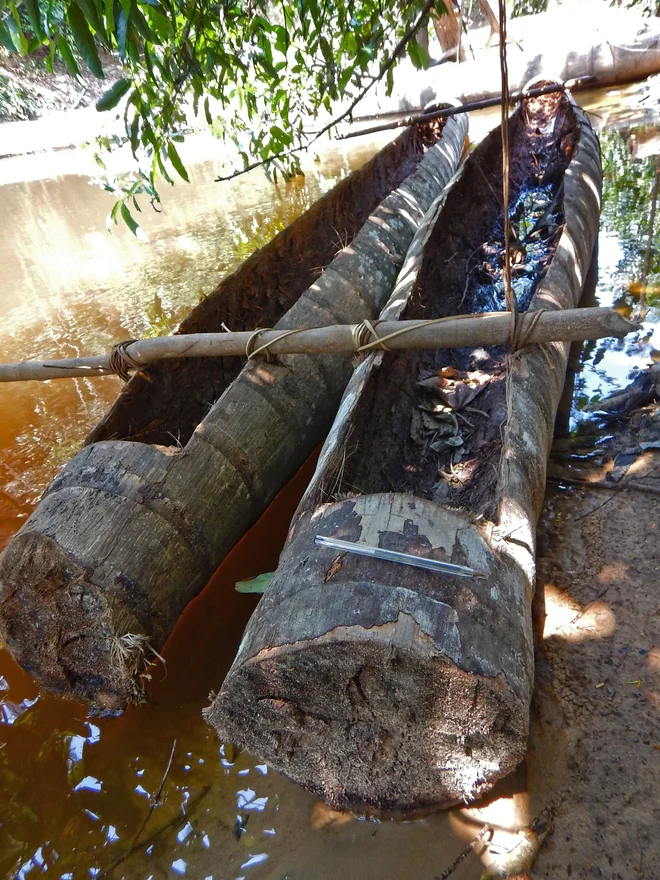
207	112
281	39
313	7
163	170
141	26
32	9
134	131
16	31
257	584
327	51
148	61
84	40
132	45
5	38
109	6
282	136
67	55
345	78
414	54
268	67
122	27
91	13
113	96
128	219
351	43
161	24
175	159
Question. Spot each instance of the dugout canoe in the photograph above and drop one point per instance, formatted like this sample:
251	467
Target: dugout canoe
192	452
383	688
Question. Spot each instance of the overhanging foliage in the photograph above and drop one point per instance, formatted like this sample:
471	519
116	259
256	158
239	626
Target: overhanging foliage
257	73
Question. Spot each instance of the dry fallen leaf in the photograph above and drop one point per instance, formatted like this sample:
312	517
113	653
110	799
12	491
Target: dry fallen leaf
456	389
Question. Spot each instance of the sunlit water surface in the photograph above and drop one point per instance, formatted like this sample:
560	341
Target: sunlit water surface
76	791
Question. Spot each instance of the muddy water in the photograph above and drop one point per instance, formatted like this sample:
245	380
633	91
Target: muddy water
82	797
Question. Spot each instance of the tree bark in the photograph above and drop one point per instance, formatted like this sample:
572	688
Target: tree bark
447	29
492	17
128	533
385	689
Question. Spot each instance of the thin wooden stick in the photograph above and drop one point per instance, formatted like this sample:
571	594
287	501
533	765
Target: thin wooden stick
485	329
509	295
444	113
649	238
135	847
155	802
449	870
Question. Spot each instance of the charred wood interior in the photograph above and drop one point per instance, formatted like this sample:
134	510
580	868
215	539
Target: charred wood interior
414	433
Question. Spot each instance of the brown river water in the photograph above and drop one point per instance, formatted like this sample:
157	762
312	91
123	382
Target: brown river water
75	791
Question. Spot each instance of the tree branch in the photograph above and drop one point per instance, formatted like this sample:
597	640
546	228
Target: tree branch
398	49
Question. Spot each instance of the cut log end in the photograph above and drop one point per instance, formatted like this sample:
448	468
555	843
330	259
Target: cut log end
373	728
57	624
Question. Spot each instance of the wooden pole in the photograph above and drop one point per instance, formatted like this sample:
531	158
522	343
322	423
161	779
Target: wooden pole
582	82
487	328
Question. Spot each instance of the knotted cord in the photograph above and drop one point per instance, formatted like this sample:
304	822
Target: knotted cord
121	362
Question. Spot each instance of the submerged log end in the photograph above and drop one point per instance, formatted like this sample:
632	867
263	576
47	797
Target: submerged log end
371	727
57	625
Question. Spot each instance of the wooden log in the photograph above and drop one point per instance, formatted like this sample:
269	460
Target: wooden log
485	328
384	689
614	46
644	388
128	533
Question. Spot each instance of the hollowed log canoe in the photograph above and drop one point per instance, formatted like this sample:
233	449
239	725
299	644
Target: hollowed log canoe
193	451
382	688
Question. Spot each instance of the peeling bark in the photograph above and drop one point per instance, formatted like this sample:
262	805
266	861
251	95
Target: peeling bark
129	532
382	688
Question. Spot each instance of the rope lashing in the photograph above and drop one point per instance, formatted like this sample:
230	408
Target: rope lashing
366	338
121	361
251	352
523	327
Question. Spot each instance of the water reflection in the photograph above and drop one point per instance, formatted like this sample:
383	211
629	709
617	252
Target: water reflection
69	288
608	364
91	798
